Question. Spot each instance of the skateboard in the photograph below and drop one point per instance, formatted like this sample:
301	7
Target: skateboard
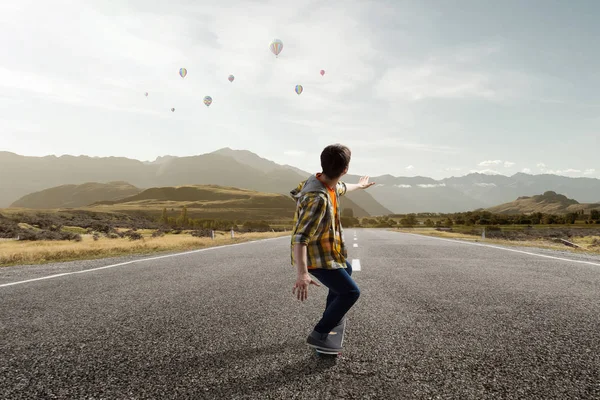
337	336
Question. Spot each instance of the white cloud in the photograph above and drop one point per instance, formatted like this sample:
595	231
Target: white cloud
541	165
485	172
453	169
403	186
590	171
489	163
526	170
444	77
568	171
410	167
431	185
485	184
294	153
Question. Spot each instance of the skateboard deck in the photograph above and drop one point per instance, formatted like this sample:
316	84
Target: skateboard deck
337	336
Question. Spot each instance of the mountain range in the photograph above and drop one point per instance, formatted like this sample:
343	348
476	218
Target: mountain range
23	175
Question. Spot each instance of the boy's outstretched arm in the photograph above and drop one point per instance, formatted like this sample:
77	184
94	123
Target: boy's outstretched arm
363	183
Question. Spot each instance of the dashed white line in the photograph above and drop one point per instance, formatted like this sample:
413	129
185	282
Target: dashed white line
355	264
355	245
141	260
355	239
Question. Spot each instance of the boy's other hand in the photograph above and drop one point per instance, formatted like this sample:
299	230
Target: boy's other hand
364	183
302	283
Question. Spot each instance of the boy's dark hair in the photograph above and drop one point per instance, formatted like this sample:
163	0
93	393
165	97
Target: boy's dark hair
334	160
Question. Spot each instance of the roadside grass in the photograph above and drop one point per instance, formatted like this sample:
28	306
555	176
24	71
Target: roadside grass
41	252
589	244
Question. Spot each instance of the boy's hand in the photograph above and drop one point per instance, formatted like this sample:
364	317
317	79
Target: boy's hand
302	283
364	183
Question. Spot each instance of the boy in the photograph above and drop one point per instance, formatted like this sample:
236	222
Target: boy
317	241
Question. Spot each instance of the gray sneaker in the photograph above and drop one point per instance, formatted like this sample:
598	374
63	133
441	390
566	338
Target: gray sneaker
321	341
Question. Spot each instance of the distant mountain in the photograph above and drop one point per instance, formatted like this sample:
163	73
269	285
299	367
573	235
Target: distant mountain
226	167
71	196
243	169
473	191
549	203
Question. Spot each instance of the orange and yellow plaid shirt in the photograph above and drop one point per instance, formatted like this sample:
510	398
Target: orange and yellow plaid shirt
317	224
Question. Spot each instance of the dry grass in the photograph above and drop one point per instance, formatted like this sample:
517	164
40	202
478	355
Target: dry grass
40	252
586	242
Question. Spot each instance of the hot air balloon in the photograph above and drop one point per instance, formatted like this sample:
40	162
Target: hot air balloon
172	109
231	78
276	46
299	89
146	94
322	72
182	72
207	101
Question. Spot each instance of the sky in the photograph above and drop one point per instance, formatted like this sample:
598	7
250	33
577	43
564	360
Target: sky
414	88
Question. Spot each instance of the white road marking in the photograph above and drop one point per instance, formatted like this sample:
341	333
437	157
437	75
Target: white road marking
355	245
141	260
355	239
513	250
355	265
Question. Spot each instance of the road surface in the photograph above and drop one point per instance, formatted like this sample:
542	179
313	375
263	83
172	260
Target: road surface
437	319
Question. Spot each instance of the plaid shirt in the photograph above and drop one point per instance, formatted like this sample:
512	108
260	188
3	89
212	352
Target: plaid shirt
316	225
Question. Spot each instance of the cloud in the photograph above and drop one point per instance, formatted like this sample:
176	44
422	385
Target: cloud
452	169
541	165
294	153
568	171
410	167
489	163
448	74
485	184
485	172
431	185
526	170
590	171
403	186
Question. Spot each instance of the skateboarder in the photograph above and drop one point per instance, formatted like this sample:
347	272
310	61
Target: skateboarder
318	247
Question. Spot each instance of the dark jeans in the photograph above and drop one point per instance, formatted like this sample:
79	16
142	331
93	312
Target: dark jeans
343	293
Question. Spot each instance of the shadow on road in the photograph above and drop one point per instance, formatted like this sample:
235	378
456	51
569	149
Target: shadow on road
297	363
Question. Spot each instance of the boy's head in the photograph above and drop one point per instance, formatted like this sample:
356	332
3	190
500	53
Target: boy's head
335	160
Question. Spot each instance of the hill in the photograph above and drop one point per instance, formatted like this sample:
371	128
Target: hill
549	203
72	196
204	202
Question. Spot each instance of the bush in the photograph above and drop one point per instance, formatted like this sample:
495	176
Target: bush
133	235
158	233
202	233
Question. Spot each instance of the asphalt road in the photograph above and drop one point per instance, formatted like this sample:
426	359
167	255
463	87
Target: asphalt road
436	319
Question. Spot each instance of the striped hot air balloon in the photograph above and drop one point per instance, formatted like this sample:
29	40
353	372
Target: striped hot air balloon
299	89
276	46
